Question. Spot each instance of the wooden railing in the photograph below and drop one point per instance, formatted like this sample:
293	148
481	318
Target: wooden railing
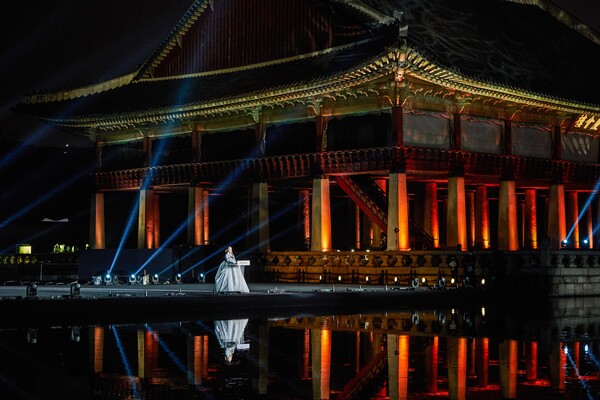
349	162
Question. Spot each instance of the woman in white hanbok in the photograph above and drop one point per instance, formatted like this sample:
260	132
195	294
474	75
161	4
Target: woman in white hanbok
230	334
230	277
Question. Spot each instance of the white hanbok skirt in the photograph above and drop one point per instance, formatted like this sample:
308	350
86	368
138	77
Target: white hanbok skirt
230	278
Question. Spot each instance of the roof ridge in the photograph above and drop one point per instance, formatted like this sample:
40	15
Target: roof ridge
266	63
563	16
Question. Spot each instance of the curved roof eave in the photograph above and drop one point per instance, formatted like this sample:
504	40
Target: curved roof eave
415	64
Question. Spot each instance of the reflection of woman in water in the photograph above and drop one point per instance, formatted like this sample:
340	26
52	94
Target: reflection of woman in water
230	333
229	276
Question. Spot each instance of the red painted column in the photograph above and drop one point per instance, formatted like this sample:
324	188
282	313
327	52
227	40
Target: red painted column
531	354
530	218
482	227
557	228
456	227
573	218
431	217
508	369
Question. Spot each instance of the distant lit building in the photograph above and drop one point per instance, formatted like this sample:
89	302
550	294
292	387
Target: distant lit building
323	124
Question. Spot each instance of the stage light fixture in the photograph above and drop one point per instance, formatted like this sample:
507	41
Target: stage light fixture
107	279
414	317
423	281
178	278
482	281
75	289
138	279
155	279
32	336
201	278
32	290
396	280
75	334
368	279
340	278
442	282
414	282
132	279
452	281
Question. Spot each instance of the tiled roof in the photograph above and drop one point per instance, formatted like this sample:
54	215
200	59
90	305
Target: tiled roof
157	94
496	42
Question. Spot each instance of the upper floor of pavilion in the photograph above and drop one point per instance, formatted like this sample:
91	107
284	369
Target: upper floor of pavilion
230	65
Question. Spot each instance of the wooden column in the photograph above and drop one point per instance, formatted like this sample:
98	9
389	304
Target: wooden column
508	369
397	126
431	220
530	219
97	232
556	222
260	216
321	216
573	219
531	354
471	219
156	216
590	228
508	237
146	219
398	357
304	210
195	227
321	362
456	225
457	368
482	361
398	235
431	364
482	227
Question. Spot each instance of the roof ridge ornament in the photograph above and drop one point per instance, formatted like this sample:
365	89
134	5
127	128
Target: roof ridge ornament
402	24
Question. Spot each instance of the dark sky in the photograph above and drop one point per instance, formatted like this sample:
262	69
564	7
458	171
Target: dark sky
61	43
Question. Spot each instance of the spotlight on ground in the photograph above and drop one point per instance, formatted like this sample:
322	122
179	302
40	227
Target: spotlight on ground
75	334
339	278
368	279
564	243
201	278
414	282
442	282
97	280
75	289
155	279
32	290
178	278
424	282
132	279
396	280
414	317
108	279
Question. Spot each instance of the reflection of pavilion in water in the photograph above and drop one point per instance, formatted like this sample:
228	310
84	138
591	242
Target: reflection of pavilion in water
391	354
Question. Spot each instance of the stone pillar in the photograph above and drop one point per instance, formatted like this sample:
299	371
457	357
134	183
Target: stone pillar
321	216
197	355
431	220
456	224
97	233
557	229
508	235
398	356
321	362
482	215
195	227
471	219
508	368
146	219
482	359
573	219
530	220
457	368
260	216
397	233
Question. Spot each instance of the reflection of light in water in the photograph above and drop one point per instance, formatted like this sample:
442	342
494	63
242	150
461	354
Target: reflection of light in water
591	355
134	389
583	382
171	354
